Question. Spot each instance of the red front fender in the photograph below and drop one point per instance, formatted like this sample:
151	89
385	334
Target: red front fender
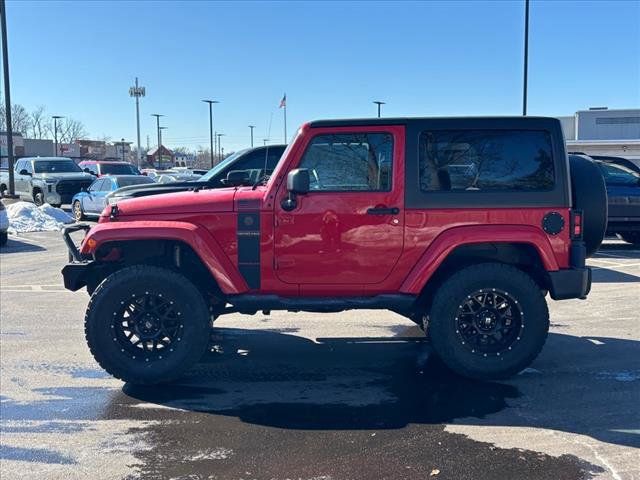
198	238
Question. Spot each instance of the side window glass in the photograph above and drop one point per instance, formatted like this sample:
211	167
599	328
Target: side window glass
19	165
350	162
96	186
107	185
28	166
485	160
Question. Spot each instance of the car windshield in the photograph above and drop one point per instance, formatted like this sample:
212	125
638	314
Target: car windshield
619	175
118	169
125	182
222	165
55	166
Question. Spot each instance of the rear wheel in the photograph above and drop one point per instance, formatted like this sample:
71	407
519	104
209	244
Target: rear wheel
488	321
147	325
630	237
77	211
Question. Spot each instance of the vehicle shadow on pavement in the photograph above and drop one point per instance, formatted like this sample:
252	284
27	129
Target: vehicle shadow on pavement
14	245
608	275
290	382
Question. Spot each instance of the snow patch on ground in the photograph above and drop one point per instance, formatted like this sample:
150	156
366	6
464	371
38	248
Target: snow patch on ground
26	217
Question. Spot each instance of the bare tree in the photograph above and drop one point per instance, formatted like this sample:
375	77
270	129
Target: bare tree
40	124
20	120
70	130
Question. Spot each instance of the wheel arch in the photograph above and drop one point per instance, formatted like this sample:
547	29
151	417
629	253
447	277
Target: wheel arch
449	253
165	243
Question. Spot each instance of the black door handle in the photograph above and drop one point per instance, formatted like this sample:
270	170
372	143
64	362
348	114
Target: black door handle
383	211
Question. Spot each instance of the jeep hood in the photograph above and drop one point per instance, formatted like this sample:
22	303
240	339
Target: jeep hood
179	203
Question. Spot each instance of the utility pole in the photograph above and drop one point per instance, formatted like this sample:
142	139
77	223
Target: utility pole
211	102
137	92
7	96
251	127
218	135
379	104
526	56
160	151
55	132
264	142
122	144
157	115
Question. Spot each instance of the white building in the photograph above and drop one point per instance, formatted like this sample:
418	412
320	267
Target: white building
600	131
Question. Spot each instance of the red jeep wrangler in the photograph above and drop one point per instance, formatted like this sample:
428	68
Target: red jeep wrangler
460	224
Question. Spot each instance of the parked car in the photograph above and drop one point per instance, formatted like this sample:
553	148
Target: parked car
172	177
251	160
4	225
91	202
358	214
630	163
623	191
41	180
103	167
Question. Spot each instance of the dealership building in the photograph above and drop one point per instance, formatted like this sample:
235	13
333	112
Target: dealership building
600	131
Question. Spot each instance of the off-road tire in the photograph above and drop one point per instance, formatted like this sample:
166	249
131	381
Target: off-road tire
630	237
78	214
38	198
119	287
449	298
4	237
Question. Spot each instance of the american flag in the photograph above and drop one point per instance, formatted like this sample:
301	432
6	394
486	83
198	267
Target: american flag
283	102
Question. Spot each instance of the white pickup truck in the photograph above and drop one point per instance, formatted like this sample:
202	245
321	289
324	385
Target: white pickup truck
53	180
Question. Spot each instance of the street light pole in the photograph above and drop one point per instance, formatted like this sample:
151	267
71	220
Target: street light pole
379	103
264	142
160	151
55	132
157	115
7	96
526	56
211	102
251	127
122	143
137	92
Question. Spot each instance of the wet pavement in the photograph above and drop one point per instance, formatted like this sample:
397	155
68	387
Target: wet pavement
355	395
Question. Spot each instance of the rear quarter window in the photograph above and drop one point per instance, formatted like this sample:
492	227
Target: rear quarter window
485	161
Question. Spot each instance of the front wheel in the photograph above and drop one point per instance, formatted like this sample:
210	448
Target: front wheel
147	325
488	321
78	214
38	198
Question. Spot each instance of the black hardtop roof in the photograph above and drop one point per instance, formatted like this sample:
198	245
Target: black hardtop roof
350	122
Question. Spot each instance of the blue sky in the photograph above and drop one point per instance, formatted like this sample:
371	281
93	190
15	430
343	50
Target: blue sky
331	58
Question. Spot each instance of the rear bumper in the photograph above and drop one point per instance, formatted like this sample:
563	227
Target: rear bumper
570	283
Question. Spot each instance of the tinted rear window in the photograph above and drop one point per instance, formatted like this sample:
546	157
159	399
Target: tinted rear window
486	160
117	169
125	182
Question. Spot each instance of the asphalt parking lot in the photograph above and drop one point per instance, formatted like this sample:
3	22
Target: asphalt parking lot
354	395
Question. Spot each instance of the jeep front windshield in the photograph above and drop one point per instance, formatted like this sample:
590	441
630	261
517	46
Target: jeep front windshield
221	166
55	166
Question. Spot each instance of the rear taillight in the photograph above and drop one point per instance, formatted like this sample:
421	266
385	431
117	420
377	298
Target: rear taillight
576	224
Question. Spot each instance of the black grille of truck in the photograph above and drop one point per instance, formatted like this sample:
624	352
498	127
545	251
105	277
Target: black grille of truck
71	187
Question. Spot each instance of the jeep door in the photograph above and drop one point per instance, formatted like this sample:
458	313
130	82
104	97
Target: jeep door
349	228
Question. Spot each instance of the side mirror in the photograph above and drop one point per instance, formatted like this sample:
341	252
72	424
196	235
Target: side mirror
298	181
297	184
24	172
237	178
86	170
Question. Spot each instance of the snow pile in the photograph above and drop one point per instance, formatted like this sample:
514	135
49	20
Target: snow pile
26	217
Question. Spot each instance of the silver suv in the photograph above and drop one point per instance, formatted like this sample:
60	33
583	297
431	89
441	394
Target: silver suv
53	180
